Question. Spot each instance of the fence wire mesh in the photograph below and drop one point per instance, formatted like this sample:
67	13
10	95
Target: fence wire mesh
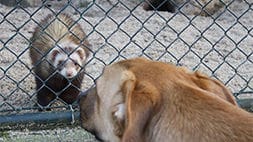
217	40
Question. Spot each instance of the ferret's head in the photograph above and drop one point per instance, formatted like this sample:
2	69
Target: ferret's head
68	59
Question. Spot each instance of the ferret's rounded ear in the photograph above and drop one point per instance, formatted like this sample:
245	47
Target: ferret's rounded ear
81	53
53	53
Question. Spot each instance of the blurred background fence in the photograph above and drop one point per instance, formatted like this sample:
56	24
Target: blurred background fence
215	37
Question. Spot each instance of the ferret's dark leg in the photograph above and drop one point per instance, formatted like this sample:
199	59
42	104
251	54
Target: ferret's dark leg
70	94
44	95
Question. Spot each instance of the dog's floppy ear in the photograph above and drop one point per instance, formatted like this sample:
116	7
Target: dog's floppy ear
141	101
128	81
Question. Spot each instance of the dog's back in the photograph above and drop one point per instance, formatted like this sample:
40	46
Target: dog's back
192	107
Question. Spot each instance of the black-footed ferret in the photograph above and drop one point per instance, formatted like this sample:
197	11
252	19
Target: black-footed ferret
58	52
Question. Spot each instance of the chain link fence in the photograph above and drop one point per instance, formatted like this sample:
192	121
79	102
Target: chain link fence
215	37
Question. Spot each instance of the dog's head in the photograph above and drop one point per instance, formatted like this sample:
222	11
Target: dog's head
103	109
130	93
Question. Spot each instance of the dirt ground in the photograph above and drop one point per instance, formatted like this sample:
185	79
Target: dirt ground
221	46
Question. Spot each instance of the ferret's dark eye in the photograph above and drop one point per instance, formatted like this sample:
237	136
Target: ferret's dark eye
76	64
60	62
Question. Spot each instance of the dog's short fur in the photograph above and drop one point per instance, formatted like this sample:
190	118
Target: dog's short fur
138	100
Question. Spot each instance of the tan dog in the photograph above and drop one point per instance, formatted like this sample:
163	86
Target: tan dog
139	100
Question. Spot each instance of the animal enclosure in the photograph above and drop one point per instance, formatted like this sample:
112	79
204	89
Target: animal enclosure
219	44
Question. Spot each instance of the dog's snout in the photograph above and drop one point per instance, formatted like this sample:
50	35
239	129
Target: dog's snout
98	138
81	95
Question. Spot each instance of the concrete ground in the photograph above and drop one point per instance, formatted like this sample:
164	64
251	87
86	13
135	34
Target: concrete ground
57	135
